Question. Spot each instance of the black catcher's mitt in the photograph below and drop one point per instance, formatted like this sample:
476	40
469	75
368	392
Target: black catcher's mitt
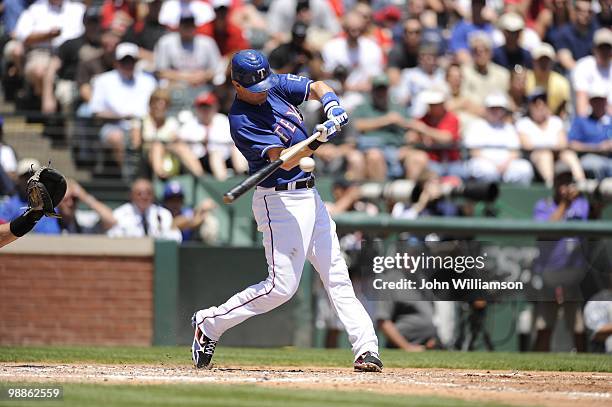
46	189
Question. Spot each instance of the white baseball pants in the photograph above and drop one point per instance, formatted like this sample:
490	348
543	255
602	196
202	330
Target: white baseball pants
296	226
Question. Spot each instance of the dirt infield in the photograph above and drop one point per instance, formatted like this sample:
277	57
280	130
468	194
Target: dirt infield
518	388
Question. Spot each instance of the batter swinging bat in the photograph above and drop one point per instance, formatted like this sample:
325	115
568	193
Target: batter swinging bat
253	180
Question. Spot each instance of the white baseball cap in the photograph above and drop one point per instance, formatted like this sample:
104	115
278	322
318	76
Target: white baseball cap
221	3
598	92
511	22
602	36
28	166
543	50
496	100
126	49
432	97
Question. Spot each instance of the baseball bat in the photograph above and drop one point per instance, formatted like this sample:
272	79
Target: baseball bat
263	173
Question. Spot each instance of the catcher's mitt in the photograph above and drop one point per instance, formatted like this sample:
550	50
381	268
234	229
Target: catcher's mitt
46	189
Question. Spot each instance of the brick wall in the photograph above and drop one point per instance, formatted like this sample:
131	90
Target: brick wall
64	299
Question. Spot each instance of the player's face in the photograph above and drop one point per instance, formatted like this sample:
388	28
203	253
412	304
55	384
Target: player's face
252	98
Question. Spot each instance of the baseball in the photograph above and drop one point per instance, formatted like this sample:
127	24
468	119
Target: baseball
307	164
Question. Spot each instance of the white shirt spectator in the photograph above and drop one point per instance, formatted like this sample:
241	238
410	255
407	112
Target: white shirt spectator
171	54
111	93
172	10
203	139
547	137
494	142
130	223
281	16
8	160
413	81
598	314
362	62
587	76
41	17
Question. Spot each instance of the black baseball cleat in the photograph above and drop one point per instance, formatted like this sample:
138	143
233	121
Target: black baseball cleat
368	362
203	348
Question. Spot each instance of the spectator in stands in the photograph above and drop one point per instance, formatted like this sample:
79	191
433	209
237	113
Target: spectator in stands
318	14
227	35
405	53
437	128
481	77
347	198
594	71
458	103
511	53
360	54
552	18
544	136
209	138
554	84
97	222
462	32
8	164
494	146
89	68
296	56
59	80
118	97
382	126
592	136
141	217
172	11
185	59
560	262
415	80
119	15
40	30
604	17
517	92
159	135
13	206
575	40
598	318
200	222
146	33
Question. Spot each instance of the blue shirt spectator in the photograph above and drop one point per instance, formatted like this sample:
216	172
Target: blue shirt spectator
508	59
12	11
578	43
460	37
590	130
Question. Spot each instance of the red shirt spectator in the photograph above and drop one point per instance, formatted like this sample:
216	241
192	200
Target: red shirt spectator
227	35
450	123
118	14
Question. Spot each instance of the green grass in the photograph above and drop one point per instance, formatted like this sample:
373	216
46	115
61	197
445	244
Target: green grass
566	362
104	395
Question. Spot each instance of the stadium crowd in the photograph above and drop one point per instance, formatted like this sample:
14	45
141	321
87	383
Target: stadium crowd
437	91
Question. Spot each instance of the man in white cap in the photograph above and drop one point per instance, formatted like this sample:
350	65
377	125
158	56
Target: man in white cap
592	135
511	53
494	146
13	207
120	95
557	87
594	71
438	127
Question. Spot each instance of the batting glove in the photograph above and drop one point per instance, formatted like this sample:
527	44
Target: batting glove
328	130
333	110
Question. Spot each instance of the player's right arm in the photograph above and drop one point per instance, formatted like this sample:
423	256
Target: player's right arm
19	226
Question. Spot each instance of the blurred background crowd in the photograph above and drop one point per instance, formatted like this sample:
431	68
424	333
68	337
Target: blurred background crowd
440	93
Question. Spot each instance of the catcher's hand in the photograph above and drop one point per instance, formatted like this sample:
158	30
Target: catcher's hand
46	189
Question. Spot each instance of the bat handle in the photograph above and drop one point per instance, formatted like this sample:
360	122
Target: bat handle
228	198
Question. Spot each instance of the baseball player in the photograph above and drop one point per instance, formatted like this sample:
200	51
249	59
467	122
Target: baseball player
264	120
46	189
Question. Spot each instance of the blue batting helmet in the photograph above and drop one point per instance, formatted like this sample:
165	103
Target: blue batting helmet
251	70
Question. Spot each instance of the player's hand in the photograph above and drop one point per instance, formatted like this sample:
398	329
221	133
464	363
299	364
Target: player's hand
338	115
328	130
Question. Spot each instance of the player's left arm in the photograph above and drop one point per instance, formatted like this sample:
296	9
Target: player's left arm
322	92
